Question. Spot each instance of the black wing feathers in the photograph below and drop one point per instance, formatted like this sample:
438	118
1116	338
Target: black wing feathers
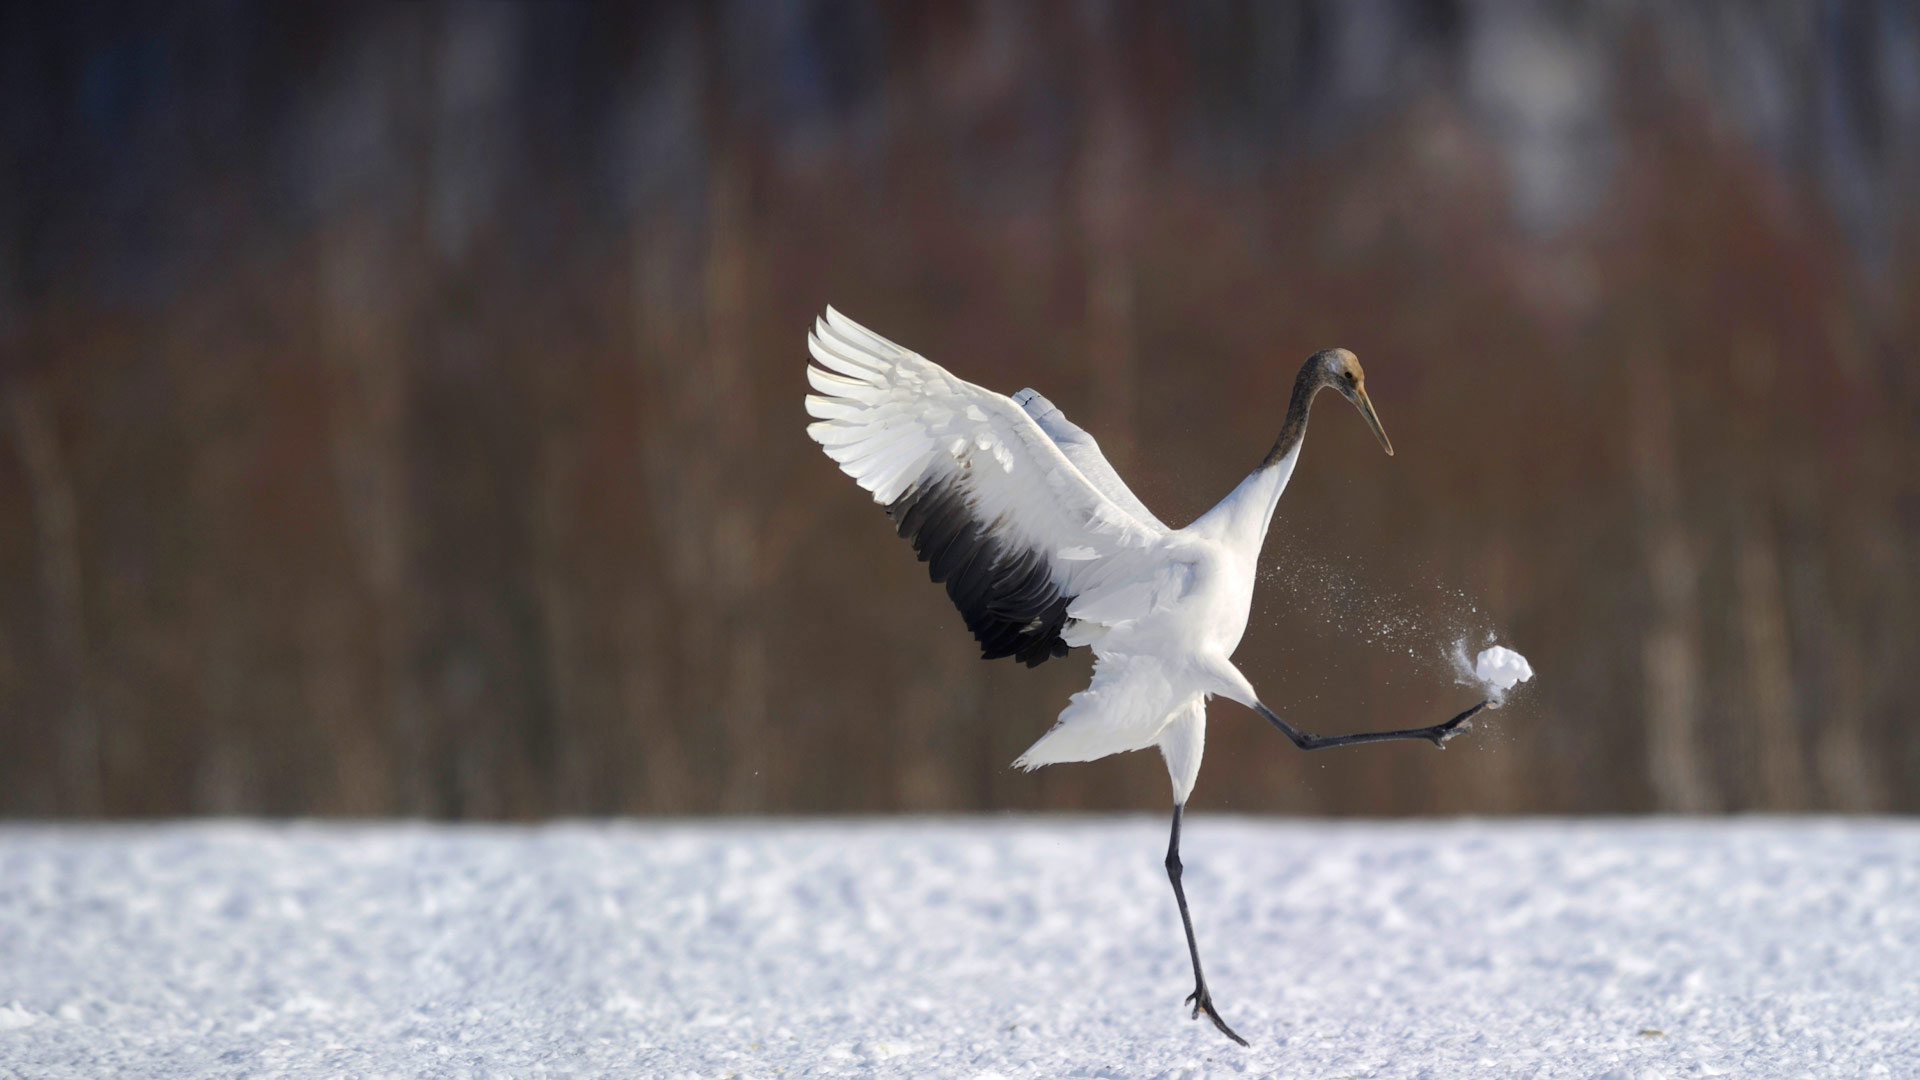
1005	594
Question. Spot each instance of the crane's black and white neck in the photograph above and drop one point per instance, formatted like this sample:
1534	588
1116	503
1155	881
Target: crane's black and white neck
1247	512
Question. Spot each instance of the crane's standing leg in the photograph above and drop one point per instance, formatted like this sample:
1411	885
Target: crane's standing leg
1201	999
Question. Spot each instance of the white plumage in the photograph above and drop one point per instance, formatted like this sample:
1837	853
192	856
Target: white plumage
1042	548
1162	608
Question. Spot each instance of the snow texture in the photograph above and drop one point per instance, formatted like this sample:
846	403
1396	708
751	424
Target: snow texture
961	948
1500	668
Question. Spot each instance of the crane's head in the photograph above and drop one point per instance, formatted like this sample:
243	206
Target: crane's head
1340	370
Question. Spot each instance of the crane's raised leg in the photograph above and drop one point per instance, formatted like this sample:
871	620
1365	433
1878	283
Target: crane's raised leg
1438	734
1201	999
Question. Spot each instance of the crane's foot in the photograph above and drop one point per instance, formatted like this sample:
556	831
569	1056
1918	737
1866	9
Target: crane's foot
1440	733
1202	1001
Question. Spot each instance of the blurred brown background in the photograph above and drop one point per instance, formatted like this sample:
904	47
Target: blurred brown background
402	404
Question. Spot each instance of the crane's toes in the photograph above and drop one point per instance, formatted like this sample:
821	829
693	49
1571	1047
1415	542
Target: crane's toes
1452	727
1202	1001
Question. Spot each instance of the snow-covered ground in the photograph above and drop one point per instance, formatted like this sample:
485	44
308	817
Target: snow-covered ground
961	948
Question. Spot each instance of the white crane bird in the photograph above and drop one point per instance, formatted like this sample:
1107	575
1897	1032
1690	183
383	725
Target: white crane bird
1043	548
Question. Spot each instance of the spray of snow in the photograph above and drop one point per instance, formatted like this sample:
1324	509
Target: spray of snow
1333	593
1434	630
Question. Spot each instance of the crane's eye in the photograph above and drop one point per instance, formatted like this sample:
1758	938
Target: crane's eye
1349	377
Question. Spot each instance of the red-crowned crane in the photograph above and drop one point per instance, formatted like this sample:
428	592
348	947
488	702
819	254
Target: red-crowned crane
1043	548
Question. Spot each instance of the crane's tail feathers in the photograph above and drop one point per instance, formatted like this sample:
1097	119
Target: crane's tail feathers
1064	744
1126	707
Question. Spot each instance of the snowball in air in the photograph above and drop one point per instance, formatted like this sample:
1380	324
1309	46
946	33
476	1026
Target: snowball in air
1501	668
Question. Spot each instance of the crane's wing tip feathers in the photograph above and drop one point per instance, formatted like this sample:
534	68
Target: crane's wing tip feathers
858	336
848	358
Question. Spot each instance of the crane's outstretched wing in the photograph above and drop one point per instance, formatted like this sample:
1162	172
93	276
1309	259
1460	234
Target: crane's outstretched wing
1000	514
1080	448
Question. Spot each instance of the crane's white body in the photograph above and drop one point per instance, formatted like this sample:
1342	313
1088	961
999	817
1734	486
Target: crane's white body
1163	609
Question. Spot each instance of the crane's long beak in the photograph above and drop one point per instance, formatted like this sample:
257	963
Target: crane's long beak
1365	405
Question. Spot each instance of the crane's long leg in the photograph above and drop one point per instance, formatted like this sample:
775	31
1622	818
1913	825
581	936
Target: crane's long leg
1438	734
1201	999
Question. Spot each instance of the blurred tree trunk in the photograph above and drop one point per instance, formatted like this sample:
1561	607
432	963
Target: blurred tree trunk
57	534
656	686
1831	678
363	350
372	284
1775	729
554	538
695	307
1670	646
1107	195
732	515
